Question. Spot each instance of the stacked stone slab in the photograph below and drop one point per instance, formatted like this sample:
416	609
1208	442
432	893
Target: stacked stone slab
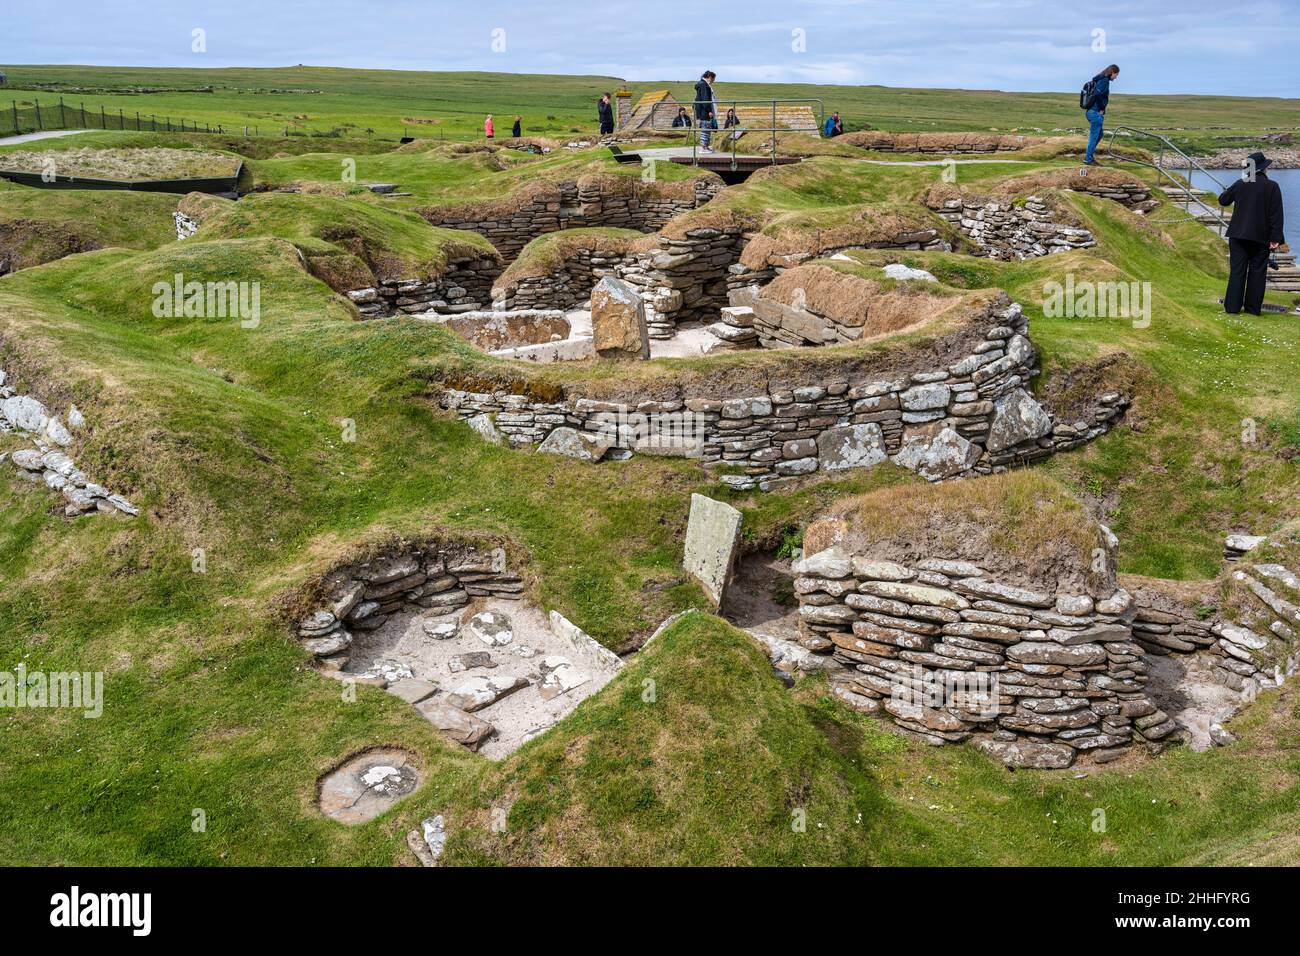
1135	195
49	463
361	597
946	143
464	287
573	205
569	286
1252	649
735	330
949	653
971	415
1002	229
684	279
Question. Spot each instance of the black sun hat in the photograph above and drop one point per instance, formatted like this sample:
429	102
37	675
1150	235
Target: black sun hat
1261	161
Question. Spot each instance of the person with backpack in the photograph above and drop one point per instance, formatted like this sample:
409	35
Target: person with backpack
1094	99
1254	230
605	109
833	127
706	108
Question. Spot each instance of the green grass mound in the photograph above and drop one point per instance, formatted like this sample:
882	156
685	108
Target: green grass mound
694	755
41	225
348	243
1021	525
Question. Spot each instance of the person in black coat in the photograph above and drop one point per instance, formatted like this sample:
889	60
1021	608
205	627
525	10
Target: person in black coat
1254	230
706	108
606	110
517	130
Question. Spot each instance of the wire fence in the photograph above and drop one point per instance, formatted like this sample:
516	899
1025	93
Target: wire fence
16	120
42	116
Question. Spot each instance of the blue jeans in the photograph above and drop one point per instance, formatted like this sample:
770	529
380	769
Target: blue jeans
1096	120
705	126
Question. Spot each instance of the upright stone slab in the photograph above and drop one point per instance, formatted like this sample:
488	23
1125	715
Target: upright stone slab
618	323
712	534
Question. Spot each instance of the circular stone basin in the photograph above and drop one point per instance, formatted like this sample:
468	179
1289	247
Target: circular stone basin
368	784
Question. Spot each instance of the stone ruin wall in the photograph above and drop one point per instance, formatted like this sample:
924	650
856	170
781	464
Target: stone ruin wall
681	280
1036	677
887	142
949	653
49	463
362	596
1002	228
464	286
577	205
1247	651
973	416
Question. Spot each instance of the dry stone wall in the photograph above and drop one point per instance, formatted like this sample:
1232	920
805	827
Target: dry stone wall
567	287
1253	649
1001	229
465	286
884	141
681	279
973	415
572	205
950	653
361	597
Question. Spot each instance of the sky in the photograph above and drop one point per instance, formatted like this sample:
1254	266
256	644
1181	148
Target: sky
1163	46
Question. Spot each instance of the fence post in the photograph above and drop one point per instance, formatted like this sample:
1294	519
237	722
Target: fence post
39	125
63	119
15	117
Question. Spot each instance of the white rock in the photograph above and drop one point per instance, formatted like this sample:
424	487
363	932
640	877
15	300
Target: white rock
896	270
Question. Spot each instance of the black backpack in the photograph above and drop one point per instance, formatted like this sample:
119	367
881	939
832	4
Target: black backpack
1087	94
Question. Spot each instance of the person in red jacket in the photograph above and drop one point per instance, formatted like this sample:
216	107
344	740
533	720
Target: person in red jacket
1253	232
488	129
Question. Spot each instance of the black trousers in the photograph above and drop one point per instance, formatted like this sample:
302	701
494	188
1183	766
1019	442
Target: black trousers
1248	265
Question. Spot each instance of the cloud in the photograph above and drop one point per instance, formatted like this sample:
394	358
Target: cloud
1188	46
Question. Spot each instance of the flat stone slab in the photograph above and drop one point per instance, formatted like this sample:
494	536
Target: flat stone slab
491	627
482	691
469	661
412	690
572	443
560	677
1035	754
368	784
454	723
851	446
712	533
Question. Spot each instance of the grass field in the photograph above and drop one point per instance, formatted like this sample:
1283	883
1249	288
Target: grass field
364	103
231	441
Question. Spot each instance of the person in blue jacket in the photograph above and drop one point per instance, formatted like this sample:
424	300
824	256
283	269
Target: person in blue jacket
833	126
1097	110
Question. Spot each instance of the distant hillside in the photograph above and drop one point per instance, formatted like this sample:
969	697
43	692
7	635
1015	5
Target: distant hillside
453	105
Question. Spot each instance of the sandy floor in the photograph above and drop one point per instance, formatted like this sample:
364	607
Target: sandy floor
533	649
750	603
1184	687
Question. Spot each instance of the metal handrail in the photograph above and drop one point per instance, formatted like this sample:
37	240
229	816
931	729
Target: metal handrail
735	132
1158	165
